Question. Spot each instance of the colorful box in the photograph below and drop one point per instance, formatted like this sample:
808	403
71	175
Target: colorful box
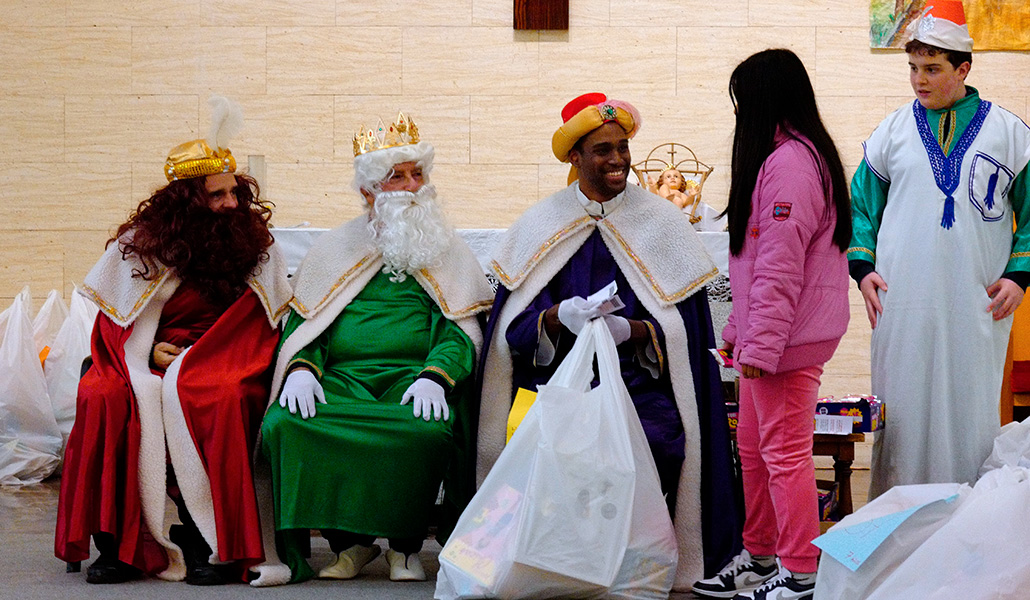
732	410
867	411
829	497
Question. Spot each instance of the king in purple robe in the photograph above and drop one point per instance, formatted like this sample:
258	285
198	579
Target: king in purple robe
576	242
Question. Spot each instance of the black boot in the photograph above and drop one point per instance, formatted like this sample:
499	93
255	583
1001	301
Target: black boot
195	552
106	568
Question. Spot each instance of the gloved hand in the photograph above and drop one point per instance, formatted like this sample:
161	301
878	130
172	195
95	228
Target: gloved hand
619	327
299	391
428	396
574	312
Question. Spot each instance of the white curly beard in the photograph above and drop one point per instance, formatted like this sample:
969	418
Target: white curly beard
410	229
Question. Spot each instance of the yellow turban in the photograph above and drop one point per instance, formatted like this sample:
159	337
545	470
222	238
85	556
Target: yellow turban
585	114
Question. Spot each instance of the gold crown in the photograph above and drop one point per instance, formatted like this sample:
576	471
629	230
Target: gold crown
402	132
197	159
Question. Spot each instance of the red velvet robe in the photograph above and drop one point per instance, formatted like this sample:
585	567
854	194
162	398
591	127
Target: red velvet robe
222	386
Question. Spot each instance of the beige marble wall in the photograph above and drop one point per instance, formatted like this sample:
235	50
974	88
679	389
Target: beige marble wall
94	93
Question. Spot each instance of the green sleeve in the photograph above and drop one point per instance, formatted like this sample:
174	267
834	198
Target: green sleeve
1020	197
452	355
313	355
868	199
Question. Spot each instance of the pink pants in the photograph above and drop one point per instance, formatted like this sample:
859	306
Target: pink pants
774	436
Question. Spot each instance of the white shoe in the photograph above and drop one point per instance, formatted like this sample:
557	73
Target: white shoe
349	562
405	567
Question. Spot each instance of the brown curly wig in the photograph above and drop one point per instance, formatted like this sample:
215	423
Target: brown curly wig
216	251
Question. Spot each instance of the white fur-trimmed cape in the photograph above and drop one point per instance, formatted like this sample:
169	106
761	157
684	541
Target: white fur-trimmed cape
664	261
343	260
129	300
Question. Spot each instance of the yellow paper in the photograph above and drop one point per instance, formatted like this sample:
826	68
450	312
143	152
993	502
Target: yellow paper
523	400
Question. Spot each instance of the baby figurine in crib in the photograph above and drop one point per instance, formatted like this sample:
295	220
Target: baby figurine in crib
674	188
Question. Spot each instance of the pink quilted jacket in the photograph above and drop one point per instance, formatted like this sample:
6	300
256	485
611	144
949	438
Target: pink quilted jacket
790	282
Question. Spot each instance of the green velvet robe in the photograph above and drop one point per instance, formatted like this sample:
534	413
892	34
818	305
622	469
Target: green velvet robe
364	463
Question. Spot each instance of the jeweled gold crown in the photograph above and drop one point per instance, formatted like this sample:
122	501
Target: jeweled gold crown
402	132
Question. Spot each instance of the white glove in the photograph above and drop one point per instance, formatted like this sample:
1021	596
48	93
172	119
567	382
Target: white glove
429	398
299	391
619	327
574	312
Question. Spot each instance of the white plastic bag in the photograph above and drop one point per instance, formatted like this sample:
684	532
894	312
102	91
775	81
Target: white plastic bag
30	443
573	506
63	366
48	322
981	552
834	581
1011	447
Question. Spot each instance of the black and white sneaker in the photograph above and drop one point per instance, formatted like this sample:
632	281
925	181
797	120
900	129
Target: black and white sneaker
781	587
743	574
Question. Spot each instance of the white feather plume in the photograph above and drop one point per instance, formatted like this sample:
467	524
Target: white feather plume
226	121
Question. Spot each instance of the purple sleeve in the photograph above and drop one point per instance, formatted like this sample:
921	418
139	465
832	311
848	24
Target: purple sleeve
523	333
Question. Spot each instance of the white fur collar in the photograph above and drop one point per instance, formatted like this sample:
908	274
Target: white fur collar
339	256
111	286
657	238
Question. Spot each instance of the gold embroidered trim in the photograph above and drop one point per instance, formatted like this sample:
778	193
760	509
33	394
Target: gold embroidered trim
303	310
657	346
554	239
112	311
672	298
465	312
441	373
860	249
308	363
1019	255
263	295
946	137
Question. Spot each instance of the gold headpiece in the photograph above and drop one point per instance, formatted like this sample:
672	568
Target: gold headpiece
197	159
400	133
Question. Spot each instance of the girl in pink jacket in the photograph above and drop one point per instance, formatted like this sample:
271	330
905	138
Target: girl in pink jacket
789	224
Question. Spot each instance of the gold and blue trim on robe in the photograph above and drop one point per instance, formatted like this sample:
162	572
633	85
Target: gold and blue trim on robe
307	363
441	373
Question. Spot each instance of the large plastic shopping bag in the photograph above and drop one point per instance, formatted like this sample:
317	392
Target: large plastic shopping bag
573	506
865	547
1011	447
30	443
63	366
48	322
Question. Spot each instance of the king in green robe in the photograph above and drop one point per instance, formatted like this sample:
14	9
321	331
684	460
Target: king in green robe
364	466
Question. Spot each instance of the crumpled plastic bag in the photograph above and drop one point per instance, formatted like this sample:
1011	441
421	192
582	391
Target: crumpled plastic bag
48	322
30	442
976	546
63	367
1011	448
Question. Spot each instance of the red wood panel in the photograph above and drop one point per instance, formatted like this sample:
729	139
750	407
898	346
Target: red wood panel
541	14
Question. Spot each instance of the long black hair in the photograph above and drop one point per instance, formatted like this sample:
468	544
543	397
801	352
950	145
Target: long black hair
771	90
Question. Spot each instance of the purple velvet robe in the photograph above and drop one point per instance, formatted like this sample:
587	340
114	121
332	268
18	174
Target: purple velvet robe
591	268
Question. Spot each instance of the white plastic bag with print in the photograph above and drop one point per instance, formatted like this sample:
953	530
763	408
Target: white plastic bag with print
48	322
63	367
982	552
30	443
835	581
573	506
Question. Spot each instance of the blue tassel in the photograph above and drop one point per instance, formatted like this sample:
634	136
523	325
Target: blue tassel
992	184
949	212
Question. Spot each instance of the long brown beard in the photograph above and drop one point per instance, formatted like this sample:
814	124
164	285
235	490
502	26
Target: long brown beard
218	252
